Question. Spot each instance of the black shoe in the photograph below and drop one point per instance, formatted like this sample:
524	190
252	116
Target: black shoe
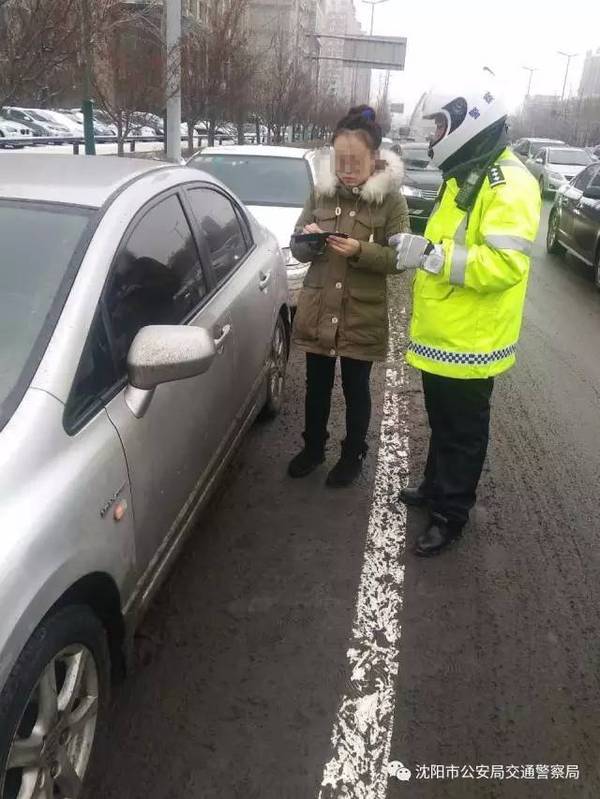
414	497
438	536
348	468
306	462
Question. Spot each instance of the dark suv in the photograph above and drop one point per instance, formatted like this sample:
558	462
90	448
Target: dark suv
574	223
422	181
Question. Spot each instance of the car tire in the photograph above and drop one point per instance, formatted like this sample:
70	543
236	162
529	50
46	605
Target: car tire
276	372
553	246
597	269
56	700
543	192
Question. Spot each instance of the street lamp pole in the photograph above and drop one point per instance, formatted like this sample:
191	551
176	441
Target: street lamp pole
373	3
531	70
173	59
87	105
568	56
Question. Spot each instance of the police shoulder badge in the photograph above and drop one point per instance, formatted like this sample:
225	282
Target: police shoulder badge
496	176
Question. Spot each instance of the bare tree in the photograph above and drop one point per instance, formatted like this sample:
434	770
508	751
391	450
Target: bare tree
283	85
37	38
131	66
217	66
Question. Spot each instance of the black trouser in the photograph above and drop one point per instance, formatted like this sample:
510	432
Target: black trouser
459	417
320	374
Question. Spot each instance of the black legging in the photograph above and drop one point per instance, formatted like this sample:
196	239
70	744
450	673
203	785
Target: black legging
320	374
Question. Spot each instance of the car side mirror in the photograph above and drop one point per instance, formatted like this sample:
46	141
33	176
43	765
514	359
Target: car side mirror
162	354
539	160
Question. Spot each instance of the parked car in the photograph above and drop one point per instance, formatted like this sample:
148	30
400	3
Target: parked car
554	166
274	183
143	326
422	181
12	130
39	125
73	127
527	148
574	222
100	128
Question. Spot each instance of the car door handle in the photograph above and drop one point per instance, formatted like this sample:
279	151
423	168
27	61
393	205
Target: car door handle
225	331
265	279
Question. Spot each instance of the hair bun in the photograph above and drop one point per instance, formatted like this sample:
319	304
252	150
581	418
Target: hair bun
364	111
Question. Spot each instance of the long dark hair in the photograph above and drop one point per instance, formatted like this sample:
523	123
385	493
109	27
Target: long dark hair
361	120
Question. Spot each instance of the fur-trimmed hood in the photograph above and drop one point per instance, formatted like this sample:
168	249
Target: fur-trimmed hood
376	188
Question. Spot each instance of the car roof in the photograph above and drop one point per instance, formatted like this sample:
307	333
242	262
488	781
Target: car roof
272	151
72	179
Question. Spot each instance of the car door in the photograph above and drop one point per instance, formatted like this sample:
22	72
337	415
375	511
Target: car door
242	273
586	216
569	199
158	278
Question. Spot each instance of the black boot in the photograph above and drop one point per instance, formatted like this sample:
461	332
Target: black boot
306	461
414	496
439	535
349	466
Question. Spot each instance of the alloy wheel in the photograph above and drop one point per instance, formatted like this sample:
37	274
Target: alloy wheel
278	364
51	749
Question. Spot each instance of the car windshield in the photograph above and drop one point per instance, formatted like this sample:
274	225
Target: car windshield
260	179
569	157
417	158
38	243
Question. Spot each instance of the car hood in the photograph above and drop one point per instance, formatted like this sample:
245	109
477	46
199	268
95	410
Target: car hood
565	169
423	178
280	221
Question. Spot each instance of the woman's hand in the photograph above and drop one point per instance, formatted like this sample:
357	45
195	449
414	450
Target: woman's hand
312	228
346	247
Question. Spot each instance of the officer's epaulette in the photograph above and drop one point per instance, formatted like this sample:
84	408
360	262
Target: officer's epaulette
496	176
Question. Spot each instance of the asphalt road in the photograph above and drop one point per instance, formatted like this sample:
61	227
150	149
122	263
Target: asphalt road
242	660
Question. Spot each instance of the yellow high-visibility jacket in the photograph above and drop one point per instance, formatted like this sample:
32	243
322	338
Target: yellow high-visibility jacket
466	321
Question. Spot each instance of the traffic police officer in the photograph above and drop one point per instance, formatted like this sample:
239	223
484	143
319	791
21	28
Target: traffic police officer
472	267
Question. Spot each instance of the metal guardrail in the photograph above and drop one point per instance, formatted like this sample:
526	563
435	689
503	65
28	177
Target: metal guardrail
77	142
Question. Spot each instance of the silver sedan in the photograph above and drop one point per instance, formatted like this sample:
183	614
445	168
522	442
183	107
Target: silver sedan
554	167
144	325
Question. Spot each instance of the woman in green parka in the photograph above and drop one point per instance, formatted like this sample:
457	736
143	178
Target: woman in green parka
342	309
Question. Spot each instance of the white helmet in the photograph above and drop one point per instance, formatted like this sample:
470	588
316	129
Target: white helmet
468	109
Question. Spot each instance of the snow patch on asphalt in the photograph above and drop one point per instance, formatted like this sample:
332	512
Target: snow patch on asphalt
363	728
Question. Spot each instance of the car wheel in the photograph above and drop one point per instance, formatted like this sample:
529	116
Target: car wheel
542	188
52	707
277	369
553	245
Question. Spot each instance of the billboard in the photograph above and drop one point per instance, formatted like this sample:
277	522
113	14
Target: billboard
374	52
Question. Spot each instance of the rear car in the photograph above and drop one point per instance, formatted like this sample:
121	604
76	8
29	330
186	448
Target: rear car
553	167
41	126
574	222
143	327
274	183
528	147
422	182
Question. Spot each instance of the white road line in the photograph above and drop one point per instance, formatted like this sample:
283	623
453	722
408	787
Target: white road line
363	728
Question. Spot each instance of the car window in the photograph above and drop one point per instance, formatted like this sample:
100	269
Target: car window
594	174
157	278
95	375
582	180
569	157
40	246
222	230
540	154
260	179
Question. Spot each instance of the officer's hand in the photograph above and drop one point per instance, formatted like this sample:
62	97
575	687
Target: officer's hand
417	252
410	250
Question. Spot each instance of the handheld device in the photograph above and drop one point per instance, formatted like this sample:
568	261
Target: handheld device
316	238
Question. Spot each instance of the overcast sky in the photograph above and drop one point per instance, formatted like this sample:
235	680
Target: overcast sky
467	35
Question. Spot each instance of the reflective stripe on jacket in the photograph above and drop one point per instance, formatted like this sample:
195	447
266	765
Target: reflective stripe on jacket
466	321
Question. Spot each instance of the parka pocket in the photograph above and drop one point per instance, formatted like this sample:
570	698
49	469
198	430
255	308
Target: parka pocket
367	223
365	317
325	218
306	319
